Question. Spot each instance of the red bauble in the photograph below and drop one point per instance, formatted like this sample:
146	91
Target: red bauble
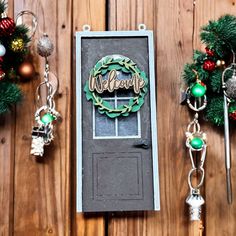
232	115
7	26
209	65
209	52
2	74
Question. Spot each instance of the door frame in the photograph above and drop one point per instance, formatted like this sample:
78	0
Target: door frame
79	90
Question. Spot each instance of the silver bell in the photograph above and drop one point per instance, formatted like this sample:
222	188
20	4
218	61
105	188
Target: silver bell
195	201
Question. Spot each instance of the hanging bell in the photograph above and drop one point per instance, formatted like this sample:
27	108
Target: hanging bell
195	202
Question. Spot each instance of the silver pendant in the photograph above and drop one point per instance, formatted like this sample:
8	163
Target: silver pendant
41	135
37	146
195	202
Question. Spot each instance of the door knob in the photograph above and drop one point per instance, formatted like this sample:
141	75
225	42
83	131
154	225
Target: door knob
142	143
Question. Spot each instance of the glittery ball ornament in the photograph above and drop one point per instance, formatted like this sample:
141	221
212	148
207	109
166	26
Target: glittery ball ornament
209	65
7	26
231	87
2	50
45	46
17	45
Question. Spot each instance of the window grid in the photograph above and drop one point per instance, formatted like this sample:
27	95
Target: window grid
116	136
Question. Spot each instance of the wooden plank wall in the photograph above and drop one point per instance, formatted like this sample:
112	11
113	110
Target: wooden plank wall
39	198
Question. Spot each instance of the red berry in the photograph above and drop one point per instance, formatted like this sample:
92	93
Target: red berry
232	115
209	52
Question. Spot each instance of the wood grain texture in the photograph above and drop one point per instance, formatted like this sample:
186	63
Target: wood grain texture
42	190
37	198
220	217
92	12
173	48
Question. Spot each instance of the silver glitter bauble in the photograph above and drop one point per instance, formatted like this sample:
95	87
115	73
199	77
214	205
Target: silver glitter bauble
230	88
45	46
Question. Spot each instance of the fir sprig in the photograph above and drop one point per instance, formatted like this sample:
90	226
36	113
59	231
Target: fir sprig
10	93
3	6
220	37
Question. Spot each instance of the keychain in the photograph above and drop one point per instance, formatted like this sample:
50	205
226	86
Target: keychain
196	144
46	114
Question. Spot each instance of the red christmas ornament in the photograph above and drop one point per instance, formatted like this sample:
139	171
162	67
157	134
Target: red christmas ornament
232	115
7	26
209	65
209	52
2	74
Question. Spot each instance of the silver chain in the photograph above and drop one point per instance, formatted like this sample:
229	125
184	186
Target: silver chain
195	200
42	133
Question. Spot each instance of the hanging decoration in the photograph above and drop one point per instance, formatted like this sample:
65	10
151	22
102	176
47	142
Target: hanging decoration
215	88
14	49
46	114
114	73
220	39
196	144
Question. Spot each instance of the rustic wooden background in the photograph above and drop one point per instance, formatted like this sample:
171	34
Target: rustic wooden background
39	198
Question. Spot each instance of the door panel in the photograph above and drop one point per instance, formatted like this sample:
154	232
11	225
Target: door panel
117	173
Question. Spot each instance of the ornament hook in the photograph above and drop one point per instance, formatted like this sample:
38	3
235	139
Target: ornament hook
19	21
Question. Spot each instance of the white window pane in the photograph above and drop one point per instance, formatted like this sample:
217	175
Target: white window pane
127	126
104	126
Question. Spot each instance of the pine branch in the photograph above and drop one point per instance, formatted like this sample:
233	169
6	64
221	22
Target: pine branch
9	95
3	6
220	35
215	112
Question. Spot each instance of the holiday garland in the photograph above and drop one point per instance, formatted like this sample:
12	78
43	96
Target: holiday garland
220	39
13	50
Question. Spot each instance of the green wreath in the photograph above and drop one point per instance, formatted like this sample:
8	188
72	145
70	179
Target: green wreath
127	66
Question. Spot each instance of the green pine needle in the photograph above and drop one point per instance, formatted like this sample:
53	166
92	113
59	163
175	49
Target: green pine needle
9	95
215	110
199	57
220	35
190	77
21	32
3	6
215	84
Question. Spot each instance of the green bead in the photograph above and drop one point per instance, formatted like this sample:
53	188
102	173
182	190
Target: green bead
198	90
196	143
47	118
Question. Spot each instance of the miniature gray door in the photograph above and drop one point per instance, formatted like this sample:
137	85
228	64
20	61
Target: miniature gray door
117	156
